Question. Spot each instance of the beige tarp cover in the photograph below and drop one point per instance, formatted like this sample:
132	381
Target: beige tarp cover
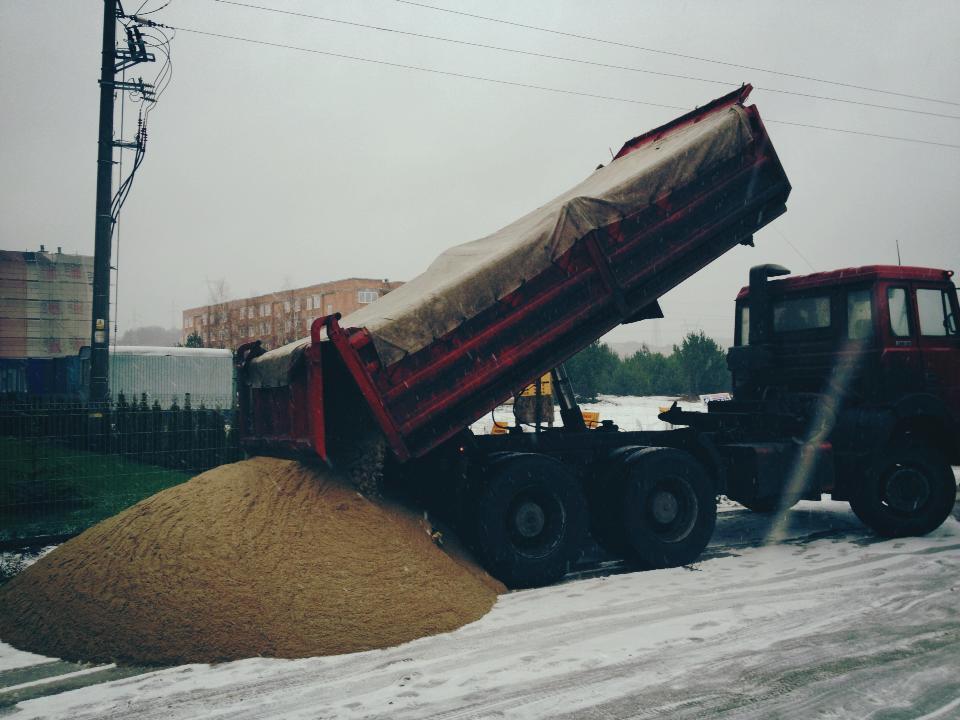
466	279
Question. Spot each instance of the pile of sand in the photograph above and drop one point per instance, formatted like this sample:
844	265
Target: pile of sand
263	557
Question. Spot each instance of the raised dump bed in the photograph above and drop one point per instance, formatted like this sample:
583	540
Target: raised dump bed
489	316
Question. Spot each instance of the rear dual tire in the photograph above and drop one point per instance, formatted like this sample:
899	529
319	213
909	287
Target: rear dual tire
656	507
529	520
653	506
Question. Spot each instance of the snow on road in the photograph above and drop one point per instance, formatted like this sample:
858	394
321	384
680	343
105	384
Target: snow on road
628	412
829	623
826	621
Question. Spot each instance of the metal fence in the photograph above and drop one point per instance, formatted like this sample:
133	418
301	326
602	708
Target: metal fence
164	373
65	466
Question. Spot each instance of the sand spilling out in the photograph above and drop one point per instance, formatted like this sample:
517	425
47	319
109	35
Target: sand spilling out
263	557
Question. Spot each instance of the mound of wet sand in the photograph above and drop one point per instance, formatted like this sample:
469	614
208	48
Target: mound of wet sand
262	557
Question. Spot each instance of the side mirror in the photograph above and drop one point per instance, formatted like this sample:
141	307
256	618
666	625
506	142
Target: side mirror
951	324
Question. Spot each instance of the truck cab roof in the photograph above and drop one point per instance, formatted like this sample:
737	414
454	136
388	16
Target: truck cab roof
844	276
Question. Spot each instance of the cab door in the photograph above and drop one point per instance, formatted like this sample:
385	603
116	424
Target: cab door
939	341
900	360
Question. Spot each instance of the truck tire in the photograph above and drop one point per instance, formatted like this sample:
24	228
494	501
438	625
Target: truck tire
530	520
667	508
904	492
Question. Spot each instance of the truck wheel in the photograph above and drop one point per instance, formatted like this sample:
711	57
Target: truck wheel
668	508
530	520
908	491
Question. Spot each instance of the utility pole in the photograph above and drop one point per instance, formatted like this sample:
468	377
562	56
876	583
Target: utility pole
100	330
109	66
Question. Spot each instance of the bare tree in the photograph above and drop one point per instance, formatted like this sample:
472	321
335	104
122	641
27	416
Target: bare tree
226	321
287	327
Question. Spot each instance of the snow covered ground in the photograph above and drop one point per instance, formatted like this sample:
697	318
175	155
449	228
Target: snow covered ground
811	617
628	412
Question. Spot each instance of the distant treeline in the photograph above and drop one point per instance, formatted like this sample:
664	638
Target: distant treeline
698	365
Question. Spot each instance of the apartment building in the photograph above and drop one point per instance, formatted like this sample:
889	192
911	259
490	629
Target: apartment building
279	317
45	301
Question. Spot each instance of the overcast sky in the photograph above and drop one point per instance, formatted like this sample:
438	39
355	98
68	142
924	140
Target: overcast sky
271	167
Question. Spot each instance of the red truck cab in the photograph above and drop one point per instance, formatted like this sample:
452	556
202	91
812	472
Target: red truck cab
883	337
854	375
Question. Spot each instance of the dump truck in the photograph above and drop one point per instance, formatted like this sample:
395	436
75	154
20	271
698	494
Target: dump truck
410	372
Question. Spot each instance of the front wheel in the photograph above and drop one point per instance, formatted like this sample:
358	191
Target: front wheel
904	492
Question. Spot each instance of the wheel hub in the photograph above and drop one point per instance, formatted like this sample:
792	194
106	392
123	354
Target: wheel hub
529	519
906	489
665	507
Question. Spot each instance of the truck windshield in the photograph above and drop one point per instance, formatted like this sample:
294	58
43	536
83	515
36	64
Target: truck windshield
807	313
744	325
933	309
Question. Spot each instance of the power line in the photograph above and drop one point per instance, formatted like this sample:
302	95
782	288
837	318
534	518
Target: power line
141	13
434	71
116	219
148	100
674	54
861	132
580	61
530	86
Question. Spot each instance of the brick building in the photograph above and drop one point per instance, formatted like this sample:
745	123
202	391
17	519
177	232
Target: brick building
279	317
45	303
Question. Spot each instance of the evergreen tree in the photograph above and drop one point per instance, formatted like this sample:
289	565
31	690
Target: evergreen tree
702	364
698	365
591	371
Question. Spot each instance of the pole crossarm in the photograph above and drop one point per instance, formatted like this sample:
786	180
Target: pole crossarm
129	59
137	86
